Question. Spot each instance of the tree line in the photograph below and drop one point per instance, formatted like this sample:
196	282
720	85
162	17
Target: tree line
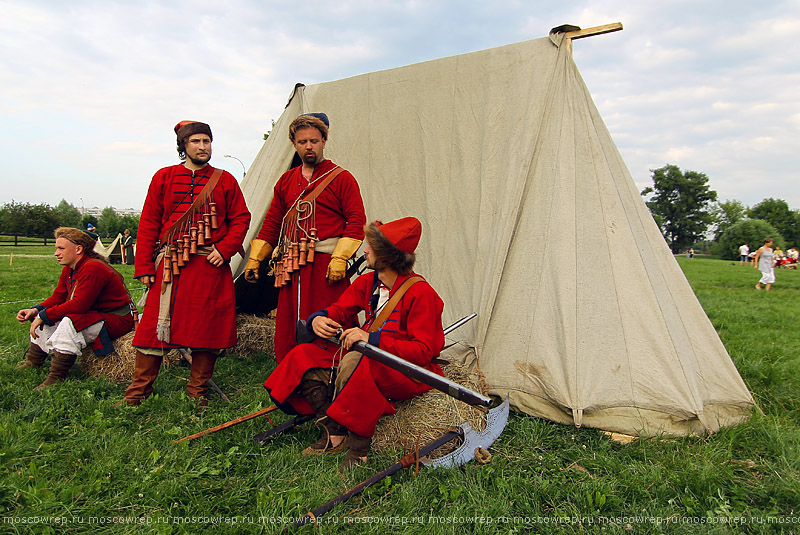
40	220
686	210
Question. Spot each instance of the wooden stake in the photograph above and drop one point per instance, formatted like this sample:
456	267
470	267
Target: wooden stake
596	30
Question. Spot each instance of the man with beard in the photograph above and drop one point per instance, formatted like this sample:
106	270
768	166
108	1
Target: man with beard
316	212
90	306
403	316
193	221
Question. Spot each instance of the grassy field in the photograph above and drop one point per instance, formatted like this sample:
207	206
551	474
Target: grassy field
72	462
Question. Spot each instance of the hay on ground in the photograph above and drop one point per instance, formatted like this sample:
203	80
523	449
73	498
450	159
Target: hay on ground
427	417
118	366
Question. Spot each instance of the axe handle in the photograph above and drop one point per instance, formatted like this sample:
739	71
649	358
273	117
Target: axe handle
226	425
405	461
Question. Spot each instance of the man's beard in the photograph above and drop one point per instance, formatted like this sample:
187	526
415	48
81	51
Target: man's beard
310	159
202	160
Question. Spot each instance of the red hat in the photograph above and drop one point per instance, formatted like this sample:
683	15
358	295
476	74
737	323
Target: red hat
403	233
185	129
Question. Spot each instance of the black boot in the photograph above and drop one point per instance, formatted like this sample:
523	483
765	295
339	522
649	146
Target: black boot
59	367
35	357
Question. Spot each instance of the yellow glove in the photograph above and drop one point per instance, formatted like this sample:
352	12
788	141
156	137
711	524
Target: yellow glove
259	250
337	268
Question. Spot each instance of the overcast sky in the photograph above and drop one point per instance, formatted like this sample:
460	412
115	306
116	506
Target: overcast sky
90	90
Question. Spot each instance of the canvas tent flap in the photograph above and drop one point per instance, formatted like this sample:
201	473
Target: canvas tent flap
531	219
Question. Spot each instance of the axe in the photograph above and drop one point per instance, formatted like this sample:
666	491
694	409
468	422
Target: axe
496	421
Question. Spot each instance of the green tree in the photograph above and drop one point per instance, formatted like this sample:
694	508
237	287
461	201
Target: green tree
749	231
725	214
108	224
130	222
679	204
778	214
25	219
67	215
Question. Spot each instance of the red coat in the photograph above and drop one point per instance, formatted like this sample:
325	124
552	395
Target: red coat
339	212
203	299
92	292
412	331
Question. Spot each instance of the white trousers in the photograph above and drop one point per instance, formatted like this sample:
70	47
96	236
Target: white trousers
63	337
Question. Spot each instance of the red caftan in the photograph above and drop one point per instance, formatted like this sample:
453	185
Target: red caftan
338	212
203	305
412	331
92	292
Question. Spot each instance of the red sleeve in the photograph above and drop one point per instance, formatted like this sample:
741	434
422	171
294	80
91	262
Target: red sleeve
352	206
89	282
345	310
422	317
150	224
237	217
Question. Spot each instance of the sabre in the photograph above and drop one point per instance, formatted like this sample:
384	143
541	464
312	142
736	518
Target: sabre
496	421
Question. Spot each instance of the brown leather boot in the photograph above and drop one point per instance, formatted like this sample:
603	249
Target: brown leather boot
202	370
144	375
35	357
357	454
59	367
333	434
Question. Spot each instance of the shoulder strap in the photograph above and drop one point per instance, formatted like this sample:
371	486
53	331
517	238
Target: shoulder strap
200	199
392	302
333	173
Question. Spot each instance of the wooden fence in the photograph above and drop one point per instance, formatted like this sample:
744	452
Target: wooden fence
22	241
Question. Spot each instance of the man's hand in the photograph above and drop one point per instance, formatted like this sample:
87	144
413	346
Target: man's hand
214	258
251	270
147	280
26	314
259	250
353	335
324	327
35	324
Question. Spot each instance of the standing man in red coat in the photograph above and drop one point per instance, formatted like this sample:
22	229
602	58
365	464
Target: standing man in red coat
317	207
403	316
193	221
90	305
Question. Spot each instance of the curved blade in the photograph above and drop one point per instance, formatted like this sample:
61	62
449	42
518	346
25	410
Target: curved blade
496	420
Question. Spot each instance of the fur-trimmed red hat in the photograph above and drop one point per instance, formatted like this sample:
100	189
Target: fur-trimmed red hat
185	129
403	233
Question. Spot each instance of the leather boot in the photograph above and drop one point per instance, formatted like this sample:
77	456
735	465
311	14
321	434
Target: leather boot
357	454
144	375
35	357
202	370
318	396
59	367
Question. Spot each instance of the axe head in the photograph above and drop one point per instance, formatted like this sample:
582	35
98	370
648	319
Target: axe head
496	420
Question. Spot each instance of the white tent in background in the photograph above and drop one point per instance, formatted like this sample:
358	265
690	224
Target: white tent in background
532	220
113	252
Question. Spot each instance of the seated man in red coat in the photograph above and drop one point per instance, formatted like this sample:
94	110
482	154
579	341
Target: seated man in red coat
90	305
403	316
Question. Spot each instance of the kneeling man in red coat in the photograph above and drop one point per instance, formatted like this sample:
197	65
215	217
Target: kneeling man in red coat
346	390
90	305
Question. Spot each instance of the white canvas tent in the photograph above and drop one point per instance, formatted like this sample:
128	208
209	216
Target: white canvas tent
532	220
113	252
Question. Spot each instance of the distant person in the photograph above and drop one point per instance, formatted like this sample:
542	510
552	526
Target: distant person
90	305
91	228
763	263
744	252
127	247
193	221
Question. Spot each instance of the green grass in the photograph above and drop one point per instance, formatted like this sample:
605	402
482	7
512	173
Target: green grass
69	453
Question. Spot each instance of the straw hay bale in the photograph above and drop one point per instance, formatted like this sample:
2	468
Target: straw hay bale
118	366
255	335
427	417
